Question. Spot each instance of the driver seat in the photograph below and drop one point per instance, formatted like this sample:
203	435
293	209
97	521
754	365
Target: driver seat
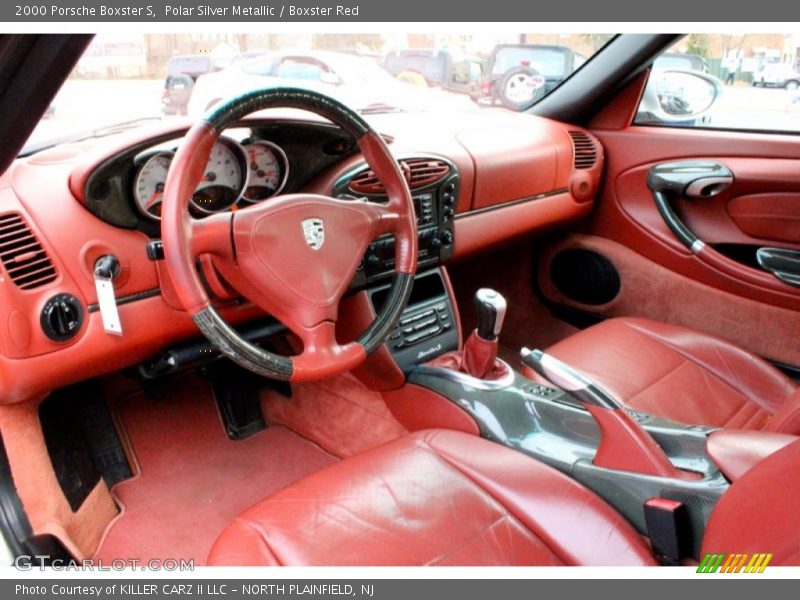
448	498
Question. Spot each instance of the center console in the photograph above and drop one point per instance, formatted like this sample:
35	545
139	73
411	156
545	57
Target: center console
434	185
627	458
428	326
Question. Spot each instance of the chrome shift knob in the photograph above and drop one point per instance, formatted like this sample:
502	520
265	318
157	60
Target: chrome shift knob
491	307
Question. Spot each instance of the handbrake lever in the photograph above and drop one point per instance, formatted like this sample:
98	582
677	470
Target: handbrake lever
568	379
624	444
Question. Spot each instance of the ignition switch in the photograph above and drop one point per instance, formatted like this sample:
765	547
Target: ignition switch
106	269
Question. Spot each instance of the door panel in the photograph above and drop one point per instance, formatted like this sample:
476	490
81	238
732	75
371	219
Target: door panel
628	214
719	289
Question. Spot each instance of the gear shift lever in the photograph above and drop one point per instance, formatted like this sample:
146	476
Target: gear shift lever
478	358
491	307
480	349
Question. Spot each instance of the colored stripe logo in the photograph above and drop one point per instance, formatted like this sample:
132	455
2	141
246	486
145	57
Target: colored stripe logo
734	563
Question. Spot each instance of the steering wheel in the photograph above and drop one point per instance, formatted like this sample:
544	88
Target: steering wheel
293	255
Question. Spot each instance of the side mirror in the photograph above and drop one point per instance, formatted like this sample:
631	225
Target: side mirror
330	78
678	97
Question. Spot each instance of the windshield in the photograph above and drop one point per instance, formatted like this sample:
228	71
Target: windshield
125	80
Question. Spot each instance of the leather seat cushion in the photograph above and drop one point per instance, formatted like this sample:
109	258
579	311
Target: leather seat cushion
683	375
758	514
433	498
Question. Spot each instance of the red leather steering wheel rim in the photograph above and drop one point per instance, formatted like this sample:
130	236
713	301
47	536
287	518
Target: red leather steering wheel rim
244	245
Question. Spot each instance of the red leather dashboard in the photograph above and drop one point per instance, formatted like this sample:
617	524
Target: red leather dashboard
518	176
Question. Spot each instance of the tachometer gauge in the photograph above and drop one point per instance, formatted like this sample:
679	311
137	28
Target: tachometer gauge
224	178
268	169
148	186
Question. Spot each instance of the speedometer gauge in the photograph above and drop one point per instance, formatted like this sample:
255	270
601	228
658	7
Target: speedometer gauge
148	186
268	169
220	187
224	178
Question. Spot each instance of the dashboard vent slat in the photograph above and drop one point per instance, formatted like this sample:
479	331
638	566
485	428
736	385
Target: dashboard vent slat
23	256
585	149
419	173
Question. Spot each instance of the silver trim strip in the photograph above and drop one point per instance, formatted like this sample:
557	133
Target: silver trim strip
697	246
468	380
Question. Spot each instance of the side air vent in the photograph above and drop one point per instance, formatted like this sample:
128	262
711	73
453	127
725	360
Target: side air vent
419	173
23	257
585	150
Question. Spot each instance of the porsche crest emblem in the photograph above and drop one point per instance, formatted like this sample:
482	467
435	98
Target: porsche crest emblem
314	232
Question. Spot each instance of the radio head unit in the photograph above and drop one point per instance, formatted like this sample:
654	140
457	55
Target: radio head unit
434	185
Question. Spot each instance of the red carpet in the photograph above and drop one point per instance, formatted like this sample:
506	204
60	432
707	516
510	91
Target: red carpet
340	414
193	480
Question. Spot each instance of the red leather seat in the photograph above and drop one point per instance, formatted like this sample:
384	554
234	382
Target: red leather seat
683	375
433	498
450	498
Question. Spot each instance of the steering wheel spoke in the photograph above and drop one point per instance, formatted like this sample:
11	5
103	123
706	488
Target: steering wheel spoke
213	235
322	355
385	218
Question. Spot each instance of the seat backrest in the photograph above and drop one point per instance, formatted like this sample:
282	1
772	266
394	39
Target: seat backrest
760	513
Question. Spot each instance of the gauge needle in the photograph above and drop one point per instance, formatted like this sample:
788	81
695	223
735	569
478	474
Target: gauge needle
152	200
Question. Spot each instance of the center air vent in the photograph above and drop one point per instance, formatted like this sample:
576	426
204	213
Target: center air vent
419	173
585	149
23	257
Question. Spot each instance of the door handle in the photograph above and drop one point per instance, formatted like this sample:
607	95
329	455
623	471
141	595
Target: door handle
691	179
783	263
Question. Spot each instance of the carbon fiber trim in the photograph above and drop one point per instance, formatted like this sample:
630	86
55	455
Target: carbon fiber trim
781	262
143	295
231	344
672	220
396	301
287	97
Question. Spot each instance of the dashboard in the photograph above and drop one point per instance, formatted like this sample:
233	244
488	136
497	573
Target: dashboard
478	180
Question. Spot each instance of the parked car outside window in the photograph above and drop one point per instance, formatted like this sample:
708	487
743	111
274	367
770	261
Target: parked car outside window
182	72
781	75
520	74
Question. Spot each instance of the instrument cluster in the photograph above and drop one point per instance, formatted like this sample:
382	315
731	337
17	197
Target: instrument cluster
237	174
